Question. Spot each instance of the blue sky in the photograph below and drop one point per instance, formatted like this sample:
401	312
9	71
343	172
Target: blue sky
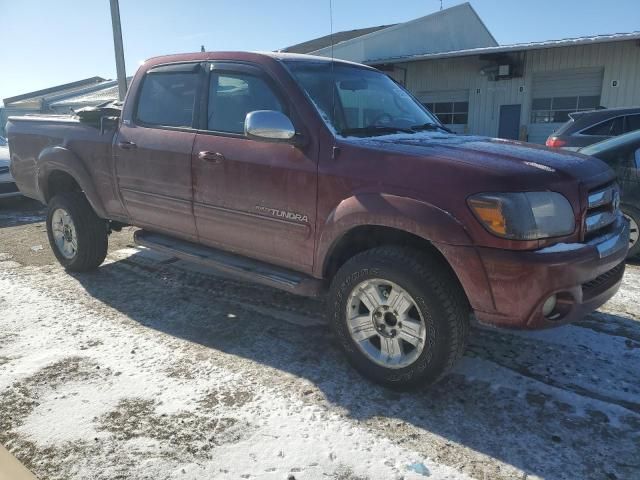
49	42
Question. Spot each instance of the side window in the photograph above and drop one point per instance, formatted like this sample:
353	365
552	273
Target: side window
168	99
610	128
633	122
232	96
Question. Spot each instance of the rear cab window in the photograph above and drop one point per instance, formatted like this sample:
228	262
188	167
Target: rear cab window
168	98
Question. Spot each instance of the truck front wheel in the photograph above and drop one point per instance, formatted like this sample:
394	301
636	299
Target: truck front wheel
78	237
399	315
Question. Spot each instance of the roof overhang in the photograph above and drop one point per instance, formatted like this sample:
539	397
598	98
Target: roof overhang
504	49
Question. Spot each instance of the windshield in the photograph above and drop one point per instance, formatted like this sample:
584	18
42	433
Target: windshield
359	101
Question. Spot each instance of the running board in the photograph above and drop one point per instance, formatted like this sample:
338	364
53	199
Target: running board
234	265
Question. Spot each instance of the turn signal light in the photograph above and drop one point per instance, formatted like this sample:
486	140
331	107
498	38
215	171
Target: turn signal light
555	142
490	213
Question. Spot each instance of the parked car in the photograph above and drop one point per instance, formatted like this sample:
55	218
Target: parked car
587	128
318	177
3	142
8	186
623	155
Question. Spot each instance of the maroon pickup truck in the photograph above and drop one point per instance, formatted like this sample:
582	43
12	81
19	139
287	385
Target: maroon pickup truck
316	176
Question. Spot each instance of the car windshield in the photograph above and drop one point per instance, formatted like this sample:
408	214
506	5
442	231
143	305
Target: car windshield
359	101
611	143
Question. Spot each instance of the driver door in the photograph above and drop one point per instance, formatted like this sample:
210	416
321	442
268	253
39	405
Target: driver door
253	197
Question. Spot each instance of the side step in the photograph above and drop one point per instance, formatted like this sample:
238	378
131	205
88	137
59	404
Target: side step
233	265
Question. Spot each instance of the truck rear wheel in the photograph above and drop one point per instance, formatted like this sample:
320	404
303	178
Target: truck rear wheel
78	237
399	315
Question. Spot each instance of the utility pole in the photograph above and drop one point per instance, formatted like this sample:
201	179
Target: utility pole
119	49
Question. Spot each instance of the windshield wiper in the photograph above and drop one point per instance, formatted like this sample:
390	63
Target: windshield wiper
430	126
375	130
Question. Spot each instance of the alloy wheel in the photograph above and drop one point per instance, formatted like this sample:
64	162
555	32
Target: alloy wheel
385	323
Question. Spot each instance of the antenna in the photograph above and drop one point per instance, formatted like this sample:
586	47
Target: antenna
331	26
440	4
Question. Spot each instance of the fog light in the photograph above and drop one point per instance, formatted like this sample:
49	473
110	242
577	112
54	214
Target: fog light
549	305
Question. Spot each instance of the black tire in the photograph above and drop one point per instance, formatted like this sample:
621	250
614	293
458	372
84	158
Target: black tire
633	213
438	296
91	232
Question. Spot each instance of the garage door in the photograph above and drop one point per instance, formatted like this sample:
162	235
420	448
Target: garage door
557	94
450	106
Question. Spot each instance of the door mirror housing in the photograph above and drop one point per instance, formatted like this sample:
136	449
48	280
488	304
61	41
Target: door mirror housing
636	160
269	125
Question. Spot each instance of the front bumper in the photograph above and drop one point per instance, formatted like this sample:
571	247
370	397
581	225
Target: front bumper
582	276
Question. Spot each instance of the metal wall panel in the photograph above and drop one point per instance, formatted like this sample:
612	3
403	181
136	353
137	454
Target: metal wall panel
618	61
568	83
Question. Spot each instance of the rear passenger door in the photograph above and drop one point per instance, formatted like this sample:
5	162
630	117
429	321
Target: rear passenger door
153	150
253	197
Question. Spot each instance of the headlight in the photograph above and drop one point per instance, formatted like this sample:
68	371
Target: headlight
524	216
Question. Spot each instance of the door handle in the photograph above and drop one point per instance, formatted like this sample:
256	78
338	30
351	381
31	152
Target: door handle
127	145
213	157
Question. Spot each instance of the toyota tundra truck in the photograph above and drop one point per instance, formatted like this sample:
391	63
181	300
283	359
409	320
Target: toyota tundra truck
327	177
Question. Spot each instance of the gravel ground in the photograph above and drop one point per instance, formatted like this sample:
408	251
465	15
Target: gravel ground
151	368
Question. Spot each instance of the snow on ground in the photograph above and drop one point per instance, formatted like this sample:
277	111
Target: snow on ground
151	368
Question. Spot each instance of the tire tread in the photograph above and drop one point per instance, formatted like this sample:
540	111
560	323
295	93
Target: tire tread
90	229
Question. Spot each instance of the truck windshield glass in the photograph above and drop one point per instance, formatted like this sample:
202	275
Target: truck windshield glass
361	102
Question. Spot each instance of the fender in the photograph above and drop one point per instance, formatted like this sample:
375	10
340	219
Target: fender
422	219
413	216
64	160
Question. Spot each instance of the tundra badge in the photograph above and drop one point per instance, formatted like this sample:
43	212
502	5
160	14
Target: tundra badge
274	212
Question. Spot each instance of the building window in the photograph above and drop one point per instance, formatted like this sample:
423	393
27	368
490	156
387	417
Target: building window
557	109
450	113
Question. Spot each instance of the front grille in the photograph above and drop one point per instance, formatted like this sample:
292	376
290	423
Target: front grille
8	188
603	208
602	282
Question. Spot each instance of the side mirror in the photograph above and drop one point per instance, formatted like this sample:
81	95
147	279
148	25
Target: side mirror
637	161
269	125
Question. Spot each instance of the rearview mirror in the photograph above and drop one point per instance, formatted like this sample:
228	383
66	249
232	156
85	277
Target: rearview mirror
269	125
354	84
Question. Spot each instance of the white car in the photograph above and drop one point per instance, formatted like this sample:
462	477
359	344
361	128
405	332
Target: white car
8	186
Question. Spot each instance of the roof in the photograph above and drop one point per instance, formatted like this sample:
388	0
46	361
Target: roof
517	47
326	41
58	89
239	55
454	28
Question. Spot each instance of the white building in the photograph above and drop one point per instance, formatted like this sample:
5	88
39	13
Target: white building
61	99
452	63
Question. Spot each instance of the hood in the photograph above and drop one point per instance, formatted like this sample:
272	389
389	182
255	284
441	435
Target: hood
501	156
4	157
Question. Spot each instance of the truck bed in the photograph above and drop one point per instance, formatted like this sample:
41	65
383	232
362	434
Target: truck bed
31	137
